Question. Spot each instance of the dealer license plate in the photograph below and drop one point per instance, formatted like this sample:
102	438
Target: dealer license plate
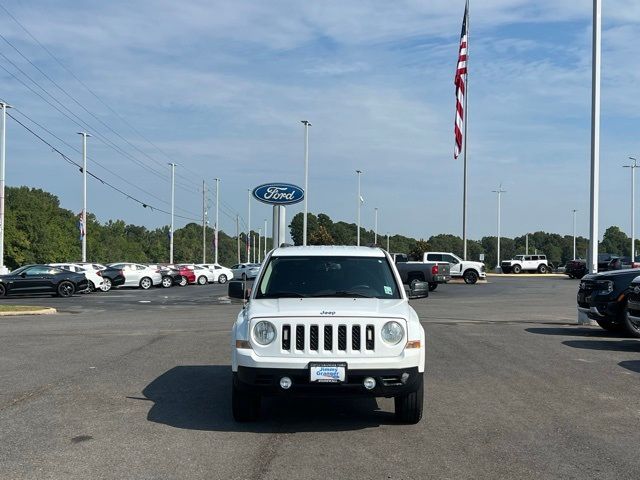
328	372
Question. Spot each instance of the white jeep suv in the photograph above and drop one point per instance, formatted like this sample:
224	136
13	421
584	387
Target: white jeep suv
327	320
525	263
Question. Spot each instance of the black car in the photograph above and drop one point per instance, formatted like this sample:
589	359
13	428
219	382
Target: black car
171	276
576	268
36	279
603	298
113	277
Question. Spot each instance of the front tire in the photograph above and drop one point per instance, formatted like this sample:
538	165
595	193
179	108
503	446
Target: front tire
167	282
245	406
516	269
222	279
66	289
409	405
470	277
202	280
146	283
3	290
631	328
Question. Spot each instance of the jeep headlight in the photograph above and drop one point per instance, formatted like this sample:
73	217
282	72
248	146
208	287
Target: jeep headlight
392	332
605	286
264	332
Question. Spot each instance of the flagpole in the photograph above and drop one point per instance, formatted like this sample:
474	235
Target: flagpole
464	181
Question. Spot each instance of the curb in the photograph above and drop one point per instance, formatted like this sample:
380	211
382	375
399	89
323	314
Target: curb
524	275
35	311
460	281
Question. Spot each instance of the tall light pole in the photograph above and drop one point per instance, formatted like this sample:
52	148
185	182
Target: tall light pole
500	191
574	233
83	233
375	228
238	235
204	222
265	239
633	167
592	263
216	237
387	242
307	124
259	244
3	144
359	173
249	228
173	198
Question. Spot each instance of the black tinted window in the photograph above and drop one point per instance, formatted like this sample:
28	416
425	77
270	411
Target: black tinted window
328	277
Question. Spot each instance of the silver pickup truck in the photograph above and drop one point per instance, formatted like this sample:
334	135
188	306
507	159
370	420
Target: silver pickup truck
434	273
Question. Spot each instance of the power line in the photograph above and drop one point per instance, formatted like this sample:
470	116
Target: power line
78	121
104	182
55	58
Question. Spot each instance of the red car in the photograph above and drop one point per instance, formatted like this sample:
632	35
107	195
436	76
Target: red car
188	275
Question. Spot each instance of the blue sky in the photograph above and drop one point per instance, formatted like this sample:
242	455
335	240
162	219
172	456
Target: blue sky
221	87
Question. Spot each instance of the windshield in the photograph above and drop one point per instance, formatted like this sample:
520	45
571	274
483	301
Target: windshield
301	277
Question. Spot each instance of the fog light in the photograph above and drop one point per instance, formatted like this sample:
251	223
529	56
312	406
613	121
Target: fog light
285	383
404	378
369	383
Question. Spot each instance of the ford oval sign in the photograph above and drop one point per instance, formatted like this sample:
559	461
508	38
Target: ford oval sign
278	193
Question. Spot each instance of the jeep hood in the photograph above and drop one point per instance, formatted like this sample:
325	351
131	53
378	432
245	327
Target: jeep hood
329	307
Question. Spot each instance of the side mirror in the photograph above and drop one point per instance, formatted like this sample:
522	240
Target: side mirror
23	274
238	289
417	289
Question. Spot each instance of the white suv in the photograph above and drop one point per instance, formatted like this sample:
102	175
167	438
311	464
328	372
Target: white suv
525	263
327	320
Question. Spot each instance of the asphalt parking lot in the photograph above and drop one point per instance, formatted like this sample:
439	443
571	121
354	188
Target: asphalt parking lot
135	385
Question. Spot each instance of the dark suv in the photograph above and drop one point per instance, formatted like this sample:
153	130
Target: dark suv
603	298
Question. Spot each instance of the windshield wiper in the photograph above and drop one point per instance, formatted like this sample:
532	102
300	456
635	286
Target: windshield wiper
343	293
282	295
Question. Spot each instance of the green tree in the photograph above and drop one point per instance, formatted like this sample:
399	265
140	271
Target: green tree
321	237
418	250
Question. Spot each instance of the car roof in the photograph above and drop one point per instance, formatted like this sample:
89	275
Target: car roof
329	251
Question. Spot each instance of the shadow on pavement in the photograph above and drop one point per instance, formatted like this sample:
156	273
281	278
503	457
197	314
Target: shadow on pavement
574	331
633	365
199	398
616	346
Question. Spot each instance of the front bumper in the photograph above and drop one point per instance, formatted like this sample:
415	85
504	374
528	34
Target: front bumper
389	382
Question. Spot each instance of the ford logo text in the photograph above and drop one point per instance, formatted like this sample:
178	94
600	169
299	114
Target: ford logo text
278	193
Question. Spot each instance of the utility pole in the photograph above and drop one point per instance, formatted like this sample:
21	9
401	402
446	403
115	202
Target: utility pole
216	237
83	232
238	235
249	229
265	238
359	172
259	240
307	124
173	198
204	222
3	146
574	233
592	263
500	191
375	228
633	167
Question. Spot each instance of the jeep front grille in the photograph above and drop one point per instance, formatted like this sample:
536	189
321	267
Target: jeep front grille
326	337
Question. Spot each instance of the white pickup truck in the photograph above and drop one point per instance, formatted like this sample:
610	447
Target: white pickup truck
327	320
467	270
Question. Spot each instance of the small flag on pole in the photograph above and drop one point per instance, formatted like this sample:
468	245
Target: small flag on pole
460	82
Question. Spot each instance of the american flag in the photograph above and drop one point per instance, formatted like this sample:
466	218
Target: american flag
461	83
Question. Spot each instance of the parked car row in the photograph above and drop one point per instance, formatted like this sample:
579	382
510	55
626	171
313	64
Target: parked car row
606	262
65	279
